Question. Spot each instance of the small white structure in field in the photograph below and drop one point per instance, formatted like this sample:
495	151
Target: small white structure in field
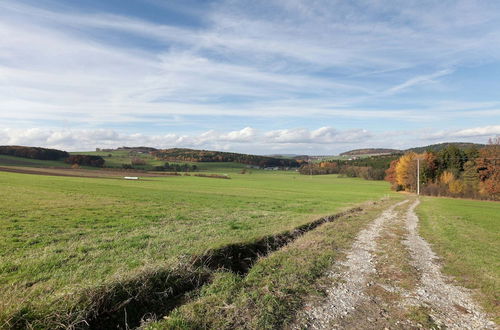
131	177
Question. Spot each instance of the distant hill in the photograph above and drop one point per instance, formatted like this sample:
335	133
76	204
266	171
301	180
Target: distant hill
291	156
33	152
130	149
192	155
282	155
439	146
433	147
370	151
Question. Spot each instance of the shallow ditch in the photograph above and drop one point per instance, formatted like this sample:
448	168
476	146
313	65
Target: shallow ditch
126	305
239	258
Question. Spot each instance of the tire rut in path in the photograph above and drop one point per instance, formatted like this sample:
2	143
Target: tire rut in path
358	266
452	306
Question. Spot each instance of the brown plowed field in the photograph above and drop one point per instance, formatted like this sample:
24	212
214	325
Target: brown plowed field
75	172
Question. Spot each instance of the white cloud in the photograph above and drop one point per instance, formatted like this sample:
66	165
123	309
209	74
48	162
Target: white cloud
468	133
55	62
248	136
321	61
323	135
324	140
295	135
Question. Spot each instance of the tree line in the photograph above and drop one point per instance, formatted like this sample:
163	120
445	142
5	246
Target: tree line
190	155
176	167
371	168
51	154
471	173
85	160
33	152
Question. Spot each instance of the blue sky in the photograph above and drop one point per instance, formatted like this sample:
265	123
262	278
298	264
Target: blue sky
316	77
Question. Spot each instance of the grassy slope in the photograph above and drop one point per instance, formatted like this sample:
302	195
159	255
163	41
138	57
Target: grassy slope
21	161
118	158
465	233
55	231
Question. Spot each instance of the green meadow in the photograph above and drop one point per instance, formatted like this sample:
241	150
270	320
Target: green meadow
465	234
274	290
117	158
27	162
60	236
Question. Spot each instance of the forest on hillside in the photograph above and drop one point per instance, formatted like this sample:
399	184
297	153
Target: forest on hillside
191	155
472	173
371	168
33	152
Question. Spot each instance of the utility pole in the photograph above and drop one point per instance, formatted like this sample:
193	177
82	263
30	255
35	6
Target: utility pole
418	176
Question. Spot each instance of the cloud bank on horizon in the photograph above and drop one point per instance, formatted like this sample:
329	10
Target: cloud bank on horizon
318	141
315	77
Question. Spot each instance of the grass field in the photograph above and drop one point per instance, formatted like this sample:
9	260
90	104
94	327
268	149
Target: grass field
20	161
120	157
465	234
60	236
272	293
115	159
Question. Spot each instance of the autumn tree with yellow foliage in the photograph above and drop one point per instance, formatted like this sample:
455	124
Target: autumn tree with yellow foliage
406	171
488	167
451	172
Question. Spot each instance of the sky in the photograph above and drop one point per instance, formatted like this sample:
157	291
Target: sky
273	76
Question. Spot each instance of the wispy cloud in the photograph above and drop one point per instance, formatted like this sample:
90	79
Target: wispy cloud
474	132
317	62
419	80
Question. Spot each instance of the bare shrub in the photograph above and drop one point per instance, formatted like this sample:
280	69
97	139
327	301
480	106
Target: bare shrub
217	176
137	161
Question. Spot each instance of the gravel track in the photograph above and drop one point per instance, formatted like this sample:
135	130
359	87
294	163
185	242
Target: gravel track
352	278
451	306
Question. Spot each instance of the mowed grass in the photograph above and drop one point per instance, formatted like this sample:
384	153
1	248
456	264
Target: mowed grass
61	235
466	235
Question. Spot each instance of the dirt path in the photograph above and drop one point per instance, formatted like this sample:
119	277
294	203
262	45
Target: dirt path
450	305
352	277
390	280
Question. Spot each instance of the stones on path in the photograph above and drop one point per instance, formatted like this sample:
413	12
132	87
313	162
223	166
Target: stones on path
451	305
352	300
352	277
